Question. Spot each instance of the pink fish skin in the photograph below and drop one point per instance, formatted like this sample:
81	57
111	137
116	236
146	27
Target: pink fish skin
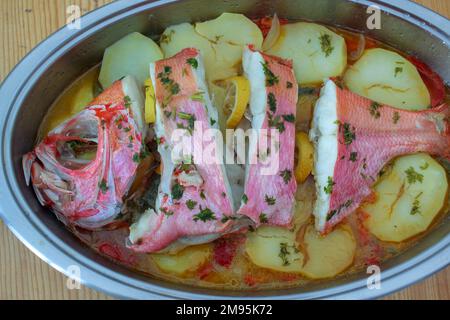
269	198
201	210
88	194
381	133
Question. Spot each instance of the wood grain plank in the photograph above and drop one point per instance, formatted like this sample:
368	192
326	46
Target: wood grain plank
24	23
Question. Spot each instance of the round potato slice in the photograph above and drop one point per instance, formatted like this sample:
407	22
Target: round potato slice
386	77
130	55
317	52
232	28
187	260
328	255
274	248
408	198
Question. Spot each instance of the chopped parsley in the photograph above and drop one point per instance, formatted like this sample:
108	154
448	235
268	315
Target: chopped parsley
289	85
424	166
167	212
212	121
103	186
395	117
329	187
272	101
127	101
136	158
397	71
169	84
286	175
332	213
289	118
193	62
191	204
270	200
271	78
353	156
413	176
348	134
375	110
244	199
416	205
276	123
263	218
325	44
202	195
198	96
285	253
177	191
204	215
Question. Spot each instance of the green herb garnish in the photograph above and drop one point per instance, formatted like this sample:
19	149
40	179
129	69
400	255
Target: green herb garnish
271	78
374	110
103	186
263	218
286	175
270	200
177	191
204	215
272	101
193	62
353	156
244	199
348	134
395	117
413	176
325	44
289	118
329	187
191	204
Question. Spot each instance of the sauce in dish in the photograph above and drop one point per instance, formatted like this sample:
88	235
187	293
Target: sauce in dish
364	139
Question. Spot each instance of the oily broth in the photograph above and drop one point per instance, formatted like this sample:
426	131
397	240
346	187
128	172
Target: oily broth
243	274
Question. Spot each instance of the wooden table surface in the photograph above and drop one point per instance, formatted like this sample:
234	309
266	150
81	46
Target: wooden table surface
24	23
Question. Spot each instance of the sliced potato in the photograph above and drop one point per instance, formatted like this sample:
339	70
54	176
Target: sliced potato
386	77
274	248
221	42
231	28
408	198
317	52
328	255
187	260
130	55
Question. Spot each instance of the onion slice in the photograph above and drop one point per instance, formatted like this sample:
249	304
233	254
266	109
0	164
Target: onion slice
273	34
355	55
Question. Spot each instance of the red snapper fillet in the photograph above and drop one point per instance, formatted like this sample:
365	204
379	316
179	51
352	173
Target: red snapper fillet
194	203
269	183
355	138
83	168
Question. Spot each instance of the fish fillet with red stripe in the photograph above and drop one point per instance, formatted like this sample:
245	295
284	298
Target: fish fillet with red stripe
269	194
83	168
194	203
355	138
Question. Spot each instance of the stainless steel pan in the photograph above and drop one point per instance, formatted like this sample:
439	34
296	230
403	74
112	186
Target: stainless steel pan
36	81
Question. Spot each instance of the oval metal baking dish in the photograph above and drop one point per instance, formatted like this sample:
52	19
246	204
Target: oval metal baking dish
38	79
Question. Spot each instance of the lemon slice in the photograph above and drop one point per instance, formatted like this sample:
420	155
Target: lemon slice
150	102
304	156
236	100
